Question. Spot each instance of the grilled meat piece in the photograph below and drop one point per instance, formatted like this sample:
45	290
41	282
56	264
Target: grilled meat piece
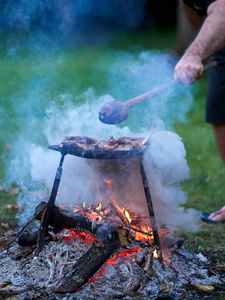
122	143
111	144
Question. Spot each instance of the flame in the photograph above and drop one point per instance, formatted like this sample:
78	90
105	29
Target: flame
112	196
139	232
99	207
155	254
166	261
127	216
142	236
109	183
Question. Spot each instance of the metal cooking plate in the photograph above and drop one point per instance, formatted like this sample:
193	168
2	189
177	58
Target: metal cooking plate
94	149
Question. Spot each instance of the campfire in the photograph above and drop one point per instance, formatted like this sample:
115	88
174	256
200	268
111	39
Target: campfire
107	249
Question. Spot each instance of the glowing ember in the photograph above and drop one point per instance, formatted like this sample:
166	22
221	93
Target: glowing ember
125	255
84	237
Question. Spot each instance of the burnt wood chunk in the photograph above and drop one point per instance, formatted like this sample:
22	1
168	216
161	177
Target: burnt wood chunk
28	238
63	219
86	267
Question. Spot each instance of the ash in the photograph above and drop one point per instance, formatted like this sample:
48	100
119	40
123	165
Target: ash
32	277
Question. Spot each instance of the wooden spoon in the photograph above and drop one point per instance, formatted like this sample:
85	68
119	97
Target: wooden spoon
115	112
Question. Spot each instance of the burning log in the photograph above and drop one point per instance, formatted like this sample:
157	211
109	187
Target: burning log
109	238
62	219
86	266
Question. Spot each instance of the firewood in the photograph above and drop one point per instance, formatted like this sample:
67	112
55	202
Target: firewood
28	238
63	219
86	267
108	238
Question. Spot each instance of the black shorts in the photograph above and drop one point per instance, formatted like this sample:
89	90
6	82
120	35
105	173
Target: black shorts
215	102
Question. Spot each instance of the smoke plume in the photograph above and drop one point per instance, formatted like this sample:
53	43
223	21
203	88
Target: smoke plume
51	100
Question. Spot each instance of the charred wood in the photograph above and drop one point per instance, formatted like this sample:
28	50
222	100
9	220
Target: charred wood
28	238
63	219
141	257
86	267
108	238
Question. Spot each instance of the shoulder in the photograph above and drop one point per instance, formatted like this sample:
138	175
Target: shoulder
217	6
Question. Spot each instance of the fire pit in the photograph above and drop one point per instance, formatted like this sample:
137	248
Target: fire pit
122	148
102	250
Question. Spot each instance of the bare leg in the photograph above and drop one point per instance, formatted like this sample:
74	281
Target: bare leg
219	132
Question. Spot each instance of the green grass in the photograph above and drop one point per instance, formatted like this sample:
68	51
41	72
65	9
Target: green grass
205	186
8	210
74	71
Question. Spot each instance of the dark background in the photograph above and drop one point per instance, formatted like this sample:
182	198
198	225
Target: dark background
72	16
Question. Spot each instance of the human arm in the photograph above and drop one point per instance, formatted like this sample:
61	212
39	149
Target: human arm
210	39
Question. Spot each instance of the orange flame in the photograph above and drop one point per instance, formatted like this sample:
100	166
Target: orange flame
109	183
99	207
155	254
128	219
127	216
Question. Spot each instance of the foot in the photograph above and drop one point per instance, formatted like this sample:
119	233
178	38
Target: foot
218	216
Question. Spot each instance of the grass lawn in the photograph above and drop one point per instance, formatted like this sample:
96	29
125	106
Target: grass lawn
74	72
206	184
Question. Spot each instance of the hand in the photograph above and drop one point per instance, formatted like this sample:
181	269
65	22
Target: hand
189	69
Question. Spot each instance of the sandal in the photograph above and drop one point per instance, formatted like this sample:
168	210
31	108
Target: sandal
209	218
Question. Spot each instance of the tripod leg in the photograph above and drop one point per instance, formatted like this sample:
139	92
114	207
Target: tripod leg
150	209
43	229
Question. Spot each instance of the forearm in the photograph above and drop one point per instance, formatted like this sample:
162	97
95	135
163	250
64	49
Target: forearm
211	36
209	40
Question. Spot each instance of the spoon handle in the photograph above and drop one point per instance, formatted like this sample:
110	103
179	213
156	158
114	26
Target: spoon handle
163	88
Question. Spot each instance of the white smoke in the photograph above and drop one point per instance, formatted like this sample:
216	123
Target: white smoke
32	166
166	168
